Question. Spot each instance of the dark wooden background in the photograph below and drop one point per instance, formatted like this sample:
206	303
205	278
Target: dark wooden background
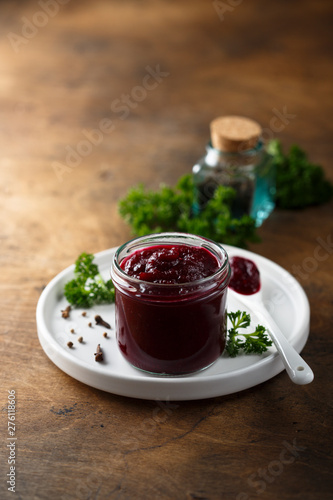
60	74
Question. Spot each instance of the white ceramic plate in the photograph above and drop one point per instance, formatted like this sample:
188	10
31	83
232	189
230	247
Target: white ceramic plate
283	295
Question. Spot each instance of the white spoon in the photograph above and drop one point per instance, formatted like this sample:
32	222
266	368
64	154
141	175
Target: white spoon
297	369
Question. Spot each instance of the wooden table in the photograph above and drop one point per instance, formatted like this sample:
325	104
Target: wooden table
99	96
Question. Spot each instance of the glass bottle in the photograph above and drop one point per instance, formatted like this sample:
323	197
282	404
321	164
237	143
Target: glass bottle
236	157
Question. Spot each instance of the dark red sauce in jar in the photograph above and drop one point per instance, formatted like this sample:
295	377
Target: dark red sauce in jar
169	264
245	277
170	302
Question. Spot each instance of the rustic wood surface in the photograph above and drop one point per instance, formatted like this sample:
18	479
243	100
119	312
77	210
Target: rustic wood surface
65	68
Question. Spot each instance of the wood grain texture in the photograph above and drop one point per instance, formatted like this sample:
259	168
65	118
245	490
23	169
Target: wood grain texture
66	79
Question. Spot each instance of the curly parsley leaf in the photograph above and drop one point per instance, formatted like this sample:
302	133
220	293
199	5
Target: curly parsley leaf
171	209
299	183
255	342
88	287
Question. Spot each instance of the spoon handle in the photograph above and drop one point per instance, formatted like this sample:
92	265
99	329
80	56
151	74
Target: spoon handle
298	370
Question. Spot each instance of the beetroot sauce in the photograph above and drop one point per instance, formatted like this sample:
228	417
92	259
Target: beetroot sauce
168	322
166	264
245	277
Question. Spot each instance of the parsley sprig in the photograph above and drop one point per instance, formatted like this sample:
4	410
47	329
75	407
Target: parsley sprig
88	287
171	209
255	342
299	182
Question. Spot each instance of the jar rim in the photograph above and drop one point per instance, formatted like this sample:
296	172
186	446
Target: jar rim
224	269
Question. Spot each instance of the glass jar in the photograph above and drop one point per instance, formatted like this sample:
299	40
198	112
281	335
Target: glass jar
240	161
171	329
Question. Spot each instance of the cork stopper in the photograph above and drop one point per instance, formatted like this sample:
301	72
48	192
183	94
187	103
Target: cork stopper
233	134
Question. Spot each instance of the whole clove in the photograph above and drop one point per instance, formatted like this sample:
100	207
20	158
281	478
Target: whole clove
100	321
65	312
99	353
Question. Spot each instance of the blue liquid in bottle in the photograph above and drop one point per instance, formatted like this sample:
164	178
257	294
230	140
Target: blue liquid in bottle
264	194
